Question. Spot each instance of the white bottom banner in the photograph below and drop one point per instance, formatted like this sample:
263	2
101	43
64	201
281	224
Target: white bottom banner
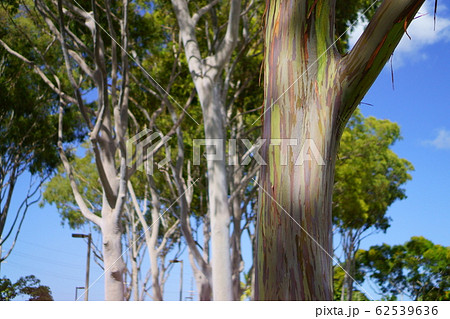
210	310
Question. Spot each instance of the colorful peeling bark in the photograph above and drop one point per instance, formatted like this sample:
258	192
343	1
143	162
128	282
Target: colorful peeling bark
310	93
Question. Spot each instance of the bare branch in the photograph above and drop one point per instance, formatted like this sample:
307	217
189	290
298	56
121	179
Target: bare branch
167	235
75	87
229	42
196	17
38	71
187	33
87	213
27	205
365	61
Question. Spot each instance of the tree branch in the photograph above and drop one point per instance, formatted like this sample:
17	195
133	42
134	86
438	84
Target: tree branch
168	233
187	32
196	17
361	66
27	205
39	72
78	198
62	38
228	43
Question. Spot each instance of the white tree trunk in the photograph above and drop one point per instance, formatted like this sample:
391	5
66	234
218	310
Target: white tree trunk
153	255
214	115
206	76
112	255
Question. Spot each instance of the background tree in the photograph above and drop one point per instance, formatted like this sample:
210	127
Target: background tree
7	291
233	85
206	72
142	233
347	13
28	285
90	62
310	93
339	278
28	128
369	178
84	62
417	269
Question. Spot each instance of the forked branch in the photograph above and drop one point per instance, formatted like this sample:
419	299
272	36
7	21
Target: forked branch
375	46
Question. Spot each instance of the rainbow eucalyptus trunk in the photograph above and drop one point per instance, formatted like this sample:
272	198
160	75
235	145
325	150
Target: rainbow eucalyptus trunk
310	93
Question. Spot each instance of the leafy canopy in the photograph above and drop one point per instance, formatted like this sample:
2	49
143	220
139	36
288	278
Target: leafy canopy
419	269
369	175
28	285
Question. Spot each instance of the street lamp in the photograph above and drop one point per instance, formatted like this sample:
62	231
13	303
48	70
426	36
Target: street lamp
76	292
175	261
88	236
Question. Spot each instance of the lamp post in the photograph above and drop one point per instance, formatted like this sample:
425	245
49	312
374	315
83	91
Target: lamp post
88	236
76	292
175	261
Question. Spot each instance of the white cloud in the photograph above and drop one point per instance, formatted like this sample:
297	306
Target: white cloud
421	31
442	141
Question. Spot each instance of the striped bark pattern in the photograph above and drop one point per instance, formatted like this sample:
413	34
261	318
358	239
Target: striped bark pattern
310	93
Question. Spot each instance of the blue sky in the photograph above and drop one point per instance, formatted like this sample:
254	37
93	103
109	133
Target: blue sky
420	104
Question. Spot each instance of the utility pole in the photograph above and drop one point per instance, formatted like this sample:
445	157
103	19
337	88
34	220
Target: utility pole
181	281
191	292
181	276
88	262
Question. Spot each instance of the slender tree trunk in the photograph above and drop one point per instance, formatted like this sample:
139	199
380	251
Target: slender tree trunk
214	115
204	289
150	235
236	257
310	93
236	178
350	267
202	280
154	268
206	75
132	291
135	279
153	255
349	288
347	283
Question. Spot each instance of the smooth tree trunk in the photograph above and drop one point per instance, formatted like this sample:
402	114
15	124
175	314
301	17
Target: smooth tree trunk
133	259
150	235
152	244
107	128
310	93
214	115
349	251
349	280
202	280
236	251
206	75
236	200
112	256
